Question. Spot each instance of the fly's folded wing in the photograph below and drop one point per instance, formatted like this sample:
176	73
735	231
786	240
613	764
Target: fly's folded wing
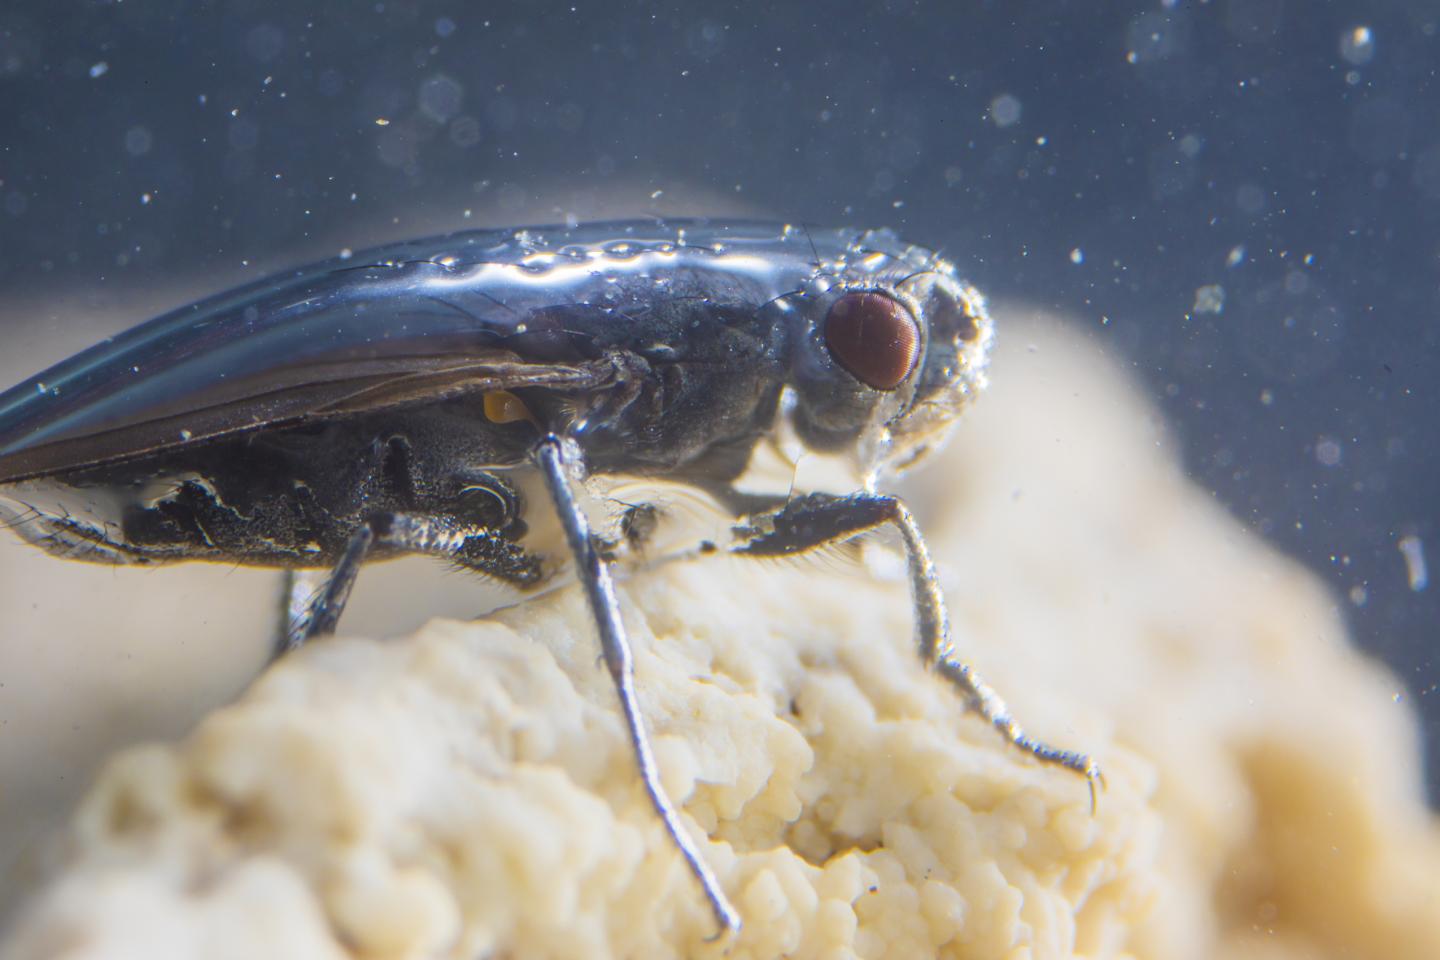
408	323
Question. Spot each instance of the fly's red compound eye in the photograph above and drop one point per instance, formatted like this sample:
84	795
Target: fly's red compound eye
874	337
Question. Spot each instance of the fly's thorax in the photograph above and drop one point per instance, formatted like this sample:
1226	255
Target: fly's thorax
693	385
884	367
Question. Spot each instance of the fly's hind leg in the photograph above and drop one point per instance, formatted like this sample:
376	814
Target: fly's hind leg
312	612
818	519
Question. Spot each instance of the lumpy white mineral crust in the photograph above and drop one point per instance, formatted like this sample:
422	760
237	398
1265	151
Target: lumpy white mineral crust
468	790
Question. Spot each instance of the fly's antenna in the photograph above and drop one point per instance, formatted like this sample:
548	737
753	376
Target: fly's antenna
814	251
779	297
911	276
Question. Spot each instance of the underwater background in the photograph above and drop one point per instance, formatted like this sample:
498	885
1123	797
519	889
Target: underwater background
1241	198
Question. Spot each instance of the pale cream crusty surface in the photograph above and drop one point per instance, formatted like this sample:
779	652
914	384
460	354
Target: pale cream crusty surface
468	791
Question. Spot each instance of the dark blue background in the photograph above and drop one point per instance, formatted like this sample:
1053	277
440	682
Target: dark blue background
159	139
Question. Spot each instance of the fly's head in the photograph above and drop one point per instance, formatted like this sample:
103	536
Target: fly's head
890	363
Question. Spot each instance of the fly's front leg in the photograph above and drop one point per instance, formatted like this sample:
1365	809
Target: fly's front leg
818	519
556	462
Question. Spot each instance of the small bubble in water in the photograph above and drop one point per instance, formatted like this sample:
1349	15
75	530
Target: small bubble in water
1357	45
1413	550
1235	257
1328	452
138	141
1250	198
265	42
440	98
1077	256
1005	110
98	70
1209	299
465	131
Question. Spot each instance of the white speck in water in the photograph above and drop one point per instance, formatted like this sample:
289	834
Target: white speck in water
1359	595
1209	299
1357	45
1005	110
98	70
1077	256
1414	553
186	434
145	199
346	253
1235	257
1267	397
40	388
657	194
1327	451
381	122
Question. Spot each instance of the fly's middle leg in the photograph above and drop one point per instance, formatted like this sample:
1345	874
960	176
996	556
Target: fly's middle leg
298	587
312	612
816	520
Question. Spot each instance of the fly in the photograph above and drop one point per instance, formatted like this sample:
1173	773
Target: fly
429	396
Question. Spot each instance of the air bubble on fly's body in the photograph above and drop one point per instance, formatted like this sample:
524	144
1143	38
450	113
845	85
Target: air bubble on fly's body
818	284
